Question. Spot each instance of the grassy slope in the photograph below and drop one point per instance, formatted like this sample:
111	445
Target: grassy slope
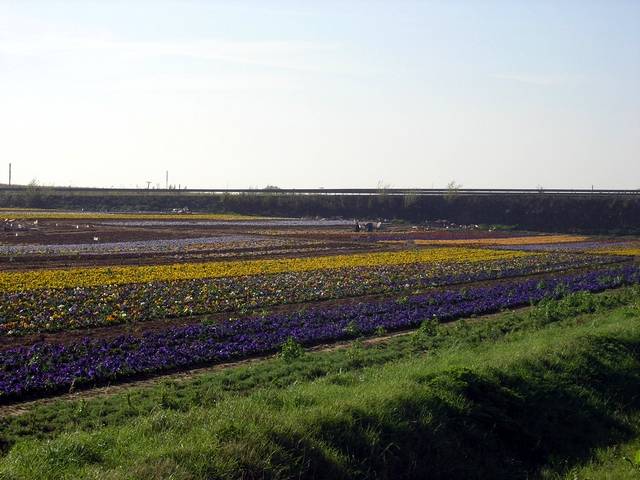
495	400
616	462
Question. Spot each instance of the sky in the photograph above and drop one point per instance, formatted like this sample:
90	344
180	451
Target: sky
307	94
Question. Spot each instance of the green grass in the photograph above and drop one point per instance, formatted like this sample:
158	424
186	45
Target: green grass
615	462
534	393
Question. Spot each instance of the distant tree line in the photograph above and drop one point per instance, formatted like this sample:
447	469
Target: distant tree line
536	211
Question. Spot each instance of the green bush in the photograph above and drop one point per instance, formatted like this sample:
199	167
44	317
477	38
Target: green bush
291	350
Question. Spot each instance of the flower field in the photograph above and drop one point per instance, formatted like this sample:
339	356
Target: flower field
85	277
522	240
151	246
600	246
45	368
634	252
38	310
218	247
623	248
145	294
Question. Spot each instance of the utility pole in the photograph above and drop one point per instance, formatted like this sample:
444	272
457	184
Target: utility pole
148	184
166	180
9	173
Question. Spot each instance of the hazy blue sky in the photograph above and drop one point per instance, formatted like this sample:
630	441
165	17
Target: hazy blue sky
322	93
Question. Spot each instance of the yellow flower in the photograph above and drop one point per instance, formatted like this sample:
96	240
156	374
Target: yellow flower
84	277
527	240
630	251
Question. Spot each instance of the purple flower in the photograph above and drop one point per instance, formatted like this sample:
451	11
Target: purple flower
46	368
